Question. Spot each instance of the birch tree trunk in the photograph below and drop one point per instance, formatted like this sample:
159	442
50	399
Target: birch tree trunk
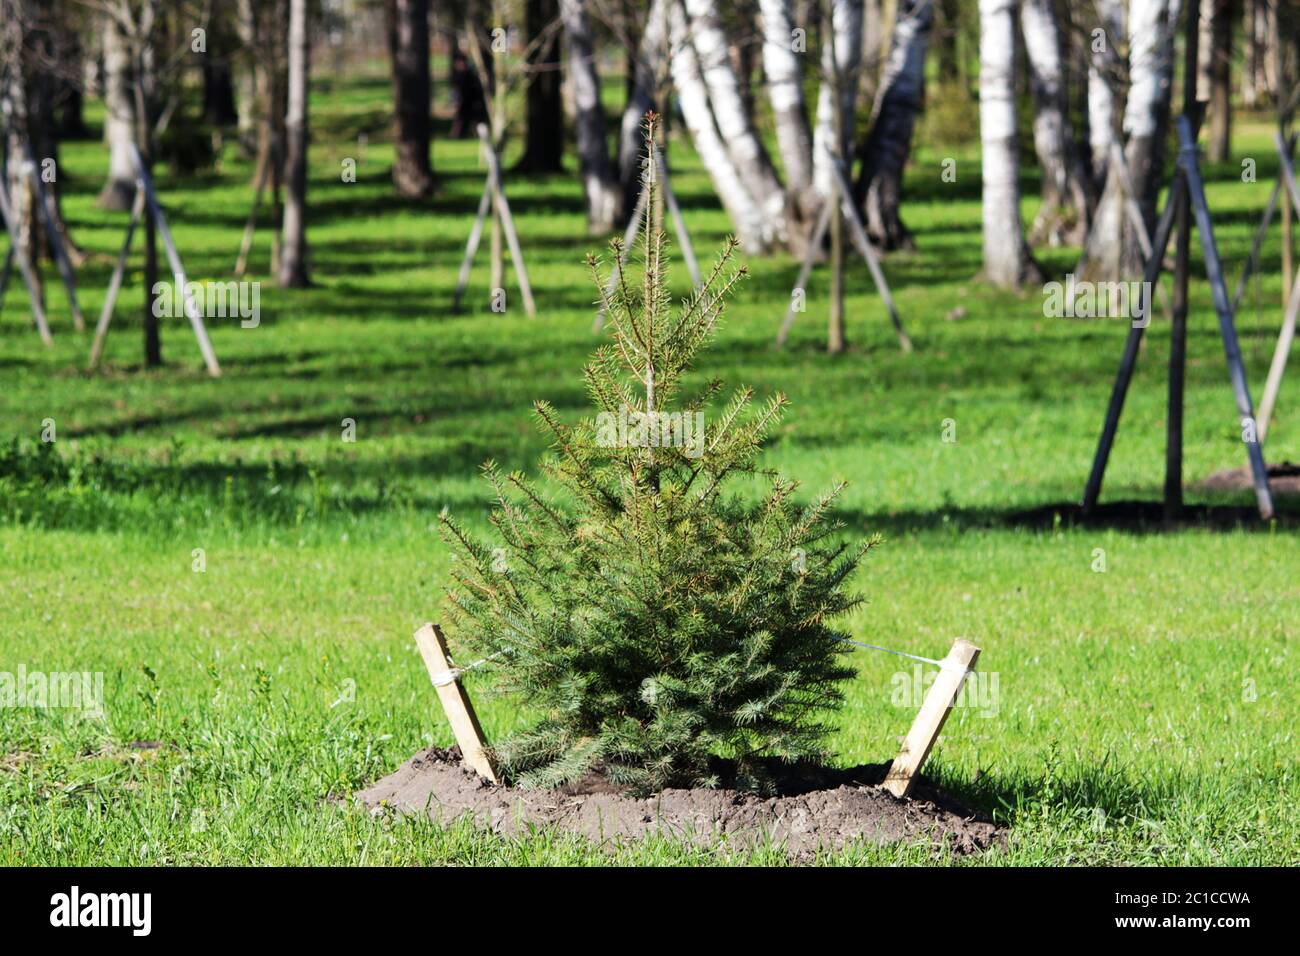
1007	262
599	186
784	69
749	219
16	64
873	51
119	118
1104	81
728	108
1213	82
408	50
884	151
293	244
1063	215
1250	54
650	70
1113	250
841	60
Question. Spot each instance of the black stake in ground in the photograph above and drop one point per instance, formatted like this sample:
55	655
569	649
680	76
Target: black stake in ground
1186	201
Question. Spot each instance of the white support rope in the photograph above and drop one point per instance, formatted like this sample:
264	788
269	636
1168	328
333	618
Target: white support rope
443	678
944	664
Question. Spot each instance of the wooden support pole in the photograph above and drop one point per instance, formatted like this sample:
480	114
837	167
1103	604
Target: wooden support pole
24	265
629	239
46	212
115	282
4	274
1285	149
455	702
174	260
507	221
471	246
815	239
931	717
679	224
1281	352
1134	212
246	243
859	233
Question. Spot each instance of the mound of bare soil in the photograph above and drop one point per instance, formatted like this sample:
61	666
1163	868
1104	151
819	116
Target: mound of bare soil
817	809
1283	479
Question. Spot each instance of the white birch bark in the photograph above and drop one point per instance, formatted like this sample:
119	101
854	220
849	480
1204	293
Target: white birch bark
650	68
1103	83
119	118
752	225
728	108
1006	256
784	70
598	184
1064	201
1112	249
840	62
884	151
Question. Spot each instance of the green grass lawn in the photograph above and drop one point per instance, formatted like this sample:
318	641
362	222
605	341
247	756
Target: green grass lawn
1145	713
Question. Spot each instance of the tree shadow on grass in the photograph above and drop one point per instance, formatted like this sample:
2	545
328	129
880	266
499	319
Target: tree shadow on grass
1097	795
1136	517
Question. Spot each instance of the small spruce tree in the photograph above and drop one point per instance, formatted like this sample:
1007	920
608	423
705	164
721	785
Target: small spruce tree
668	632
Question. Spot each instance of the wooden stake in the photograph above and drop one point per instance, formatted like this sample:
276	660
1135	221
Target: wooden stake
930	719
679	224
1281	352
629	239
24	266
45	212
859	233
246	243
455	702
471	247
174	260
4	274
115	282
507	221
815	239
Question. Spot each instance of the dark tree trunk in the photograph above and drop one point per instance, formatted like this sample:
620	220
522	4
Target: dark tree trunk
219	93
408	48
544	145
68	97
467	94
152	335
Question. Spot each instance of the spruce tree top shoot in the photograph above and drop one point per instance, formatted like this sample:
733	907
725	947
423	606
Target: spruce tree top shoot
665	631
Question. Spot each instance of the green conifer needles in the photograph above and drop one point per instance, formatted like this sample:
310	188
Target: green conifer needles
667	632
